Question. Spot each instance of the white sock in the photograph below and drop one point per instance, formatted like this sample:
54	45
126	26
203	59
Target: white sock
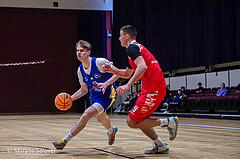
164	122
110	130
159	142
68	137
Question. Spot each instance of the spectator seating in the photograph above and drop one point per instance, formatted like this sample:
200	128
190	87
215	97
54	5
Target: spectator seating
208	102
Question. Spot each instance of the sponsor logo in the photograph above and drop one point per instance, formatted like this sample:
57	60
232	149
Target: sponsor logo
154	61
150	100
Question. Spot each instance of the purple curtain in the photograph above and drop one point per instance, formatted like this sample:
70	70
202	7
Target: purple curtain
181	33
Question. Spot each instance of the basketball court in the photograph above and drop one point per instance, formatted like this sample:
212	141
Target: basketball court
31	136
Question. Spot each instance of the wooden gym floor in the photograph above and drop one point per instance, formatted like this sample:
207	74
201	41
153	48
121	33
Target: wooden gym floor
30	136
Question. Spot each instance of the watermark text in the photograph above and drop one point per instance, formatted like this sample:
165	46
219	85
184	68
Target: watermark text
30	151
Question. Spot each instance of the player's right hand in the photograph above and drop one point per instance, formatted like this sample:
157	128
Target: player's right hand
122	89
107	68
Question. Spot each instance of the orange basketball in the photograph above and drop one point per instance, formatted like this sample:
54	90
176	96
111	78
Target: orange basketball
63	101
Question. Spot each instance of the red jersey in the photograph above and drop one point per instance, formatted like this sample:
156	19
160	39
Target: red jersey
152	79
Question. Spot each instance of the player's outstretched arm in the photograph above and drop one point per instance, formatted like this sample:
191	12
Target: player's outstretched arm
81	92
124	73
140	70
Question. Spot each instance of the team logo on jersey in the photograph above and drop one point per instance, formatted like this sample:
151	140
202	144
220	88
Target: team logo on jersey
97	75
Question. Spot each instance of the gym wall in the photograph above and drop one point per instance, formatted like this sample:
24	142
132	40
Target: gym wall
209	80
37	55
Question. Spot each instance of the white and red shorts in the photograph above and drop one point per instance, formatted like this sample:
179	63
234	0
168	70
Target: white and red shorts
146	104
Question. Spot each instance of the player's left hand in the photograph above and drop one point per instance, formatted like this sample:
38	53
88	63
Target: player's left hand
103	86
122	89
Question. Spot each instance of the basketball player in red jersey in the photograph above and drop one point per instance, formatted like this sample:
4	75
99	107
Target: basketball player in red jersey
153	90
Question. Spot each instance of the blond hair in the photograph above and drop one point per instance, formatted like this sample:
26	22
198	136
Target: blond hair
84	44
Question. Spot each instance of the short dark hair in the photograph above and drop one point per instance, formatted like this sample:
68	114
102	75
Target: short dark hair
199	83
223	84
182	87
130	30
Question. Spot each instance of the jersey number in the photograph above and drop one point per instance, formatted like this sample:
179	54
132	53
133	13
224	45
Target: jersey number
134	108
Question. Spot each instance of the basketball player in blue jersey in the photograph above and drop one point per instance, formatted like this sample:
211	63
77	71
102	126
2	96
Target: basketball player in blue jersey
90	73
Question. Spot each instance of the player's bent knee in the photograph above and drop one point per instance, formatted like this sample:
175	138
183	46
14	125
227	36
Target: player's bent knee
86	116
131	123
89	113
100	119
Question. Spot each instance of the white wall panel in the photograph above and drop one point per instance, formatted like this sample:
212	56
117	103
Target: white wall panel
177	82
214	79
192	80
234	77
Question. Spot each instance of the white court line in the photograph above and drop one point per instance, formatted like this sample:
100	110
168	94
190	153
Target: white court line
204	126
207	126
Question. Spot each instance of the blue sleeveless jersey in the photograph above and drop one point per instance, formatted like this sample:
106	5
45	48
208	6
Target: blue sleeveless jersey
97	77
